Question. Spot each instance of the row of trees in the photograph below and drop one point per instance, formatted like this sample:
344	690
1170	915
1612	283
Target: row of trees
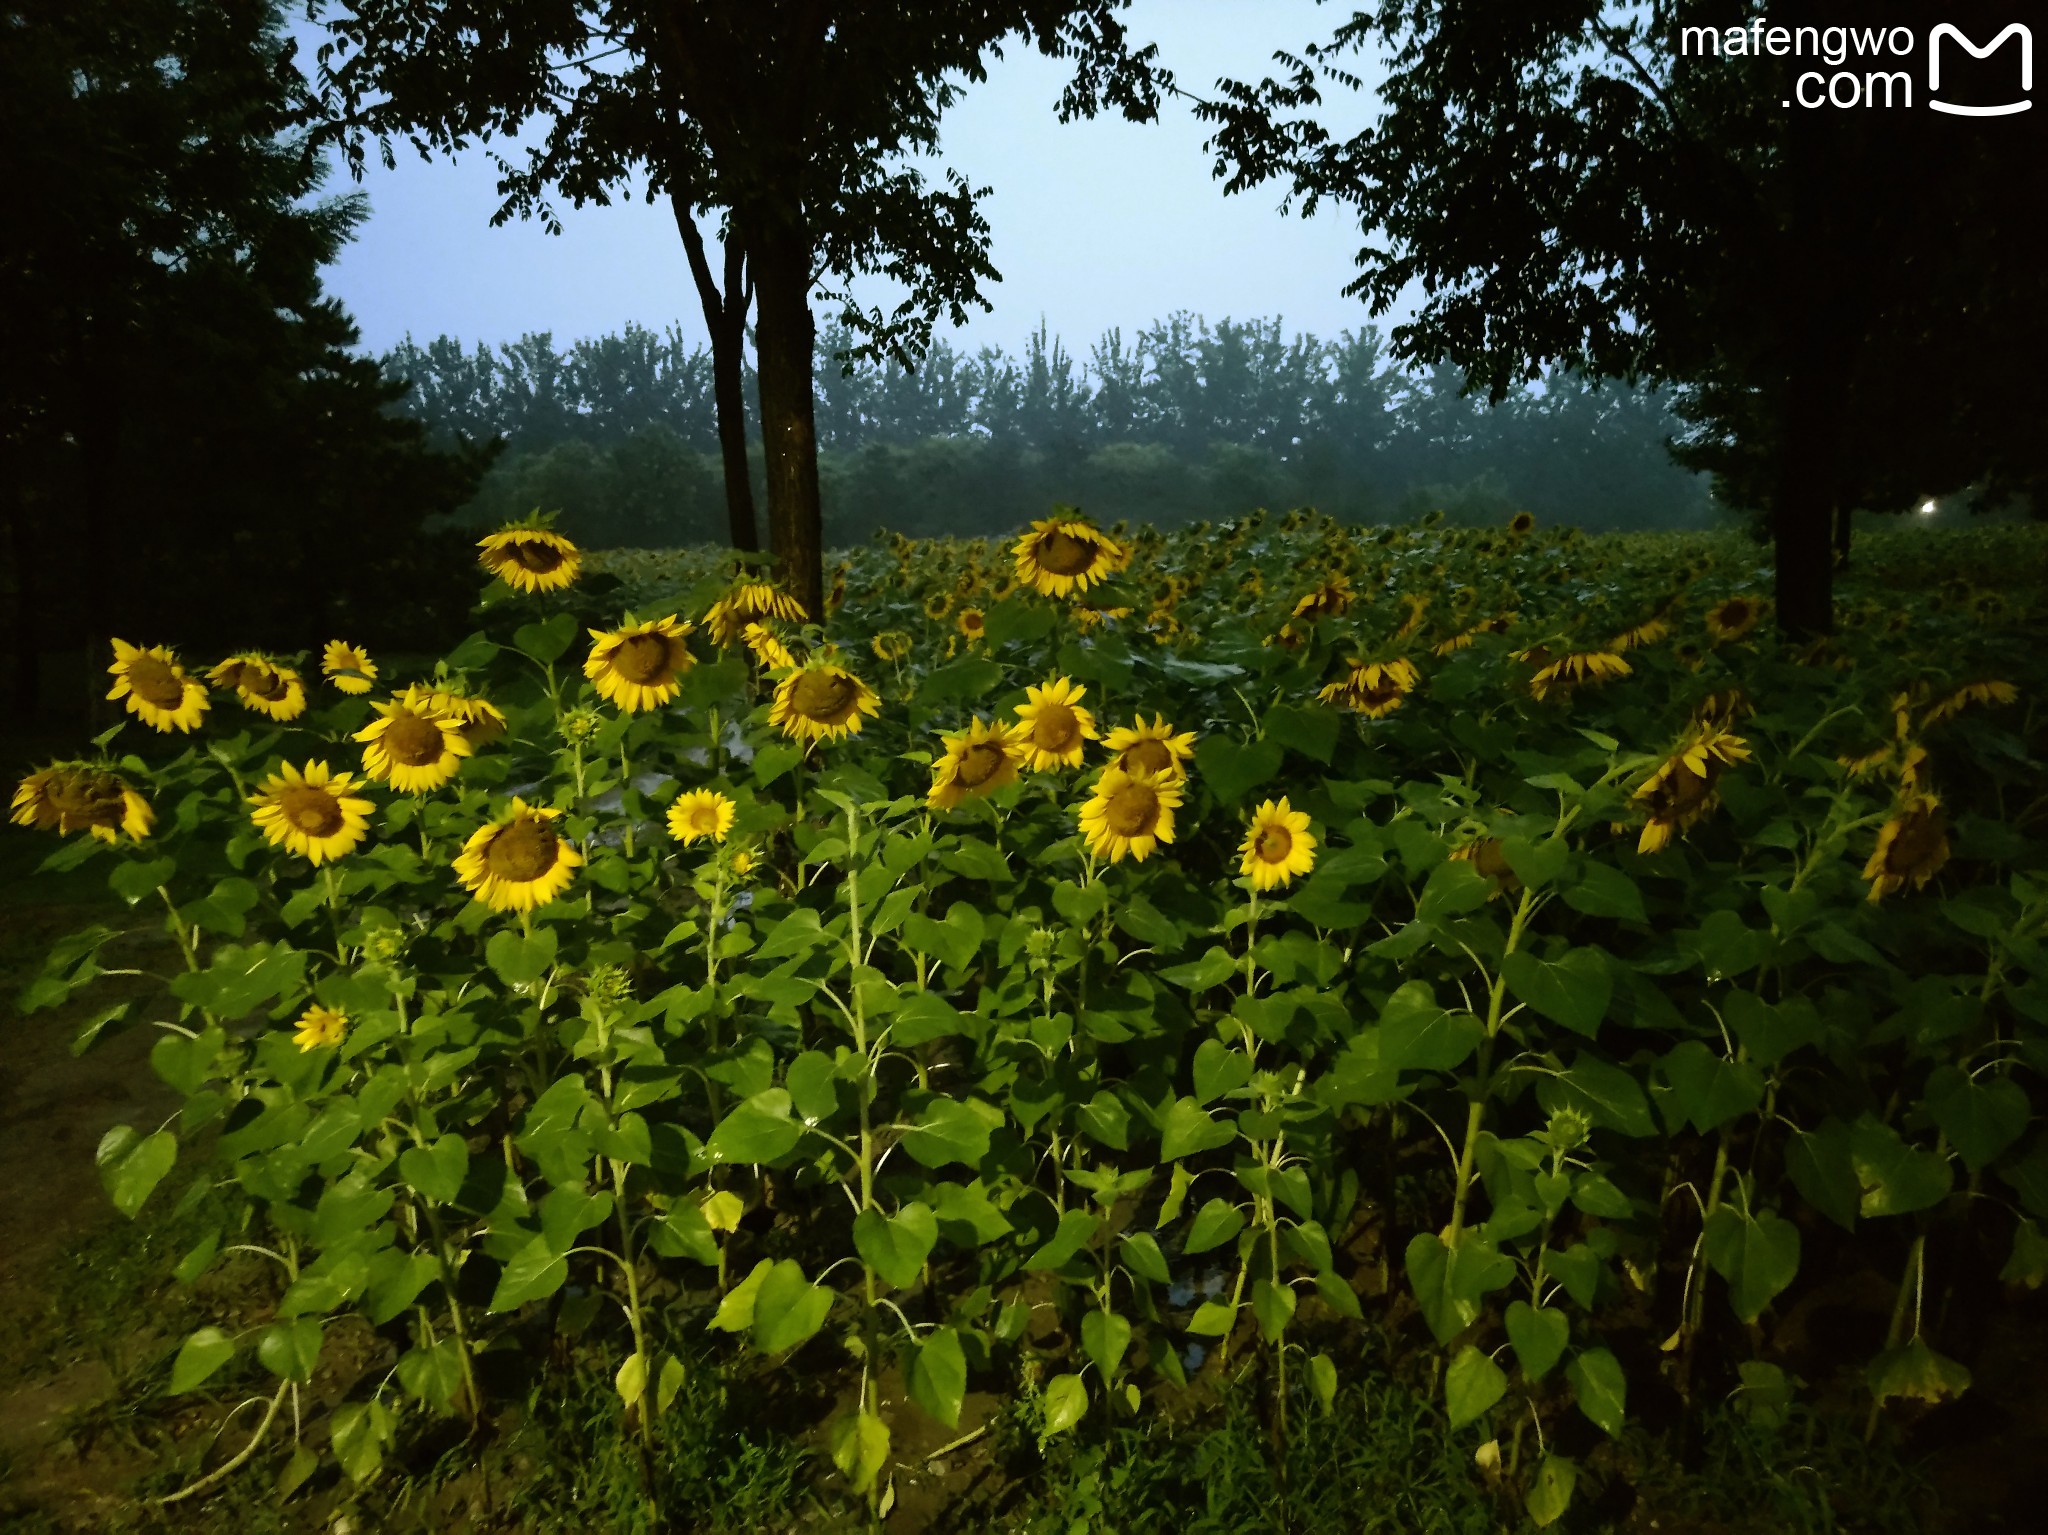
1184	420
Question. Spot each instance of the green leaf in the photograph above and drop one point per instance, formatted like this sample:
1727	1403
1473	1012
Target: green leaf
1600	1388
1757	1255
1539	1335
925	1016
131	1166
532	1273
683	1232
1104	1338
291	1350
773	759
860	1449
1472	1385
1896	1178
813	1083
1824	1172
520	960
1273	1305
1417	1035
1064	1405
135	880
199	1357
432	1374
1219	1070
1450	1283
948	1131
1188	1128
546	639
1232	769
788	1308
1141	1255
1550	1493
1454	888
1916	1371
1605	892
1770	1031
437	1171
359	1432
1322	1379
1577	1269
1213	1319
1214	968
938	1375
1981	1117
1604	1092
1302	728
1705	1090
1215	1223
896	1246
1075	1229
1573	989
758	1130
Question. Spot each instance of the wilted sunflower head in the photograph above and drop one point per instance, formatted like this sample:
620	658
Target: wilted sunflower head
311	811
1278	847
1332	599
158	691
517	862
976	763
1052	727
747	601
767	647
641	665
530	559
69	797
1489	856
821	701
1065	554
1575	669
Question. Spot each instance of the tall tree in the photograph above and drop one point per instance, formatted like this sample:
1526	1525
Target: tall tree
1628	190
793	118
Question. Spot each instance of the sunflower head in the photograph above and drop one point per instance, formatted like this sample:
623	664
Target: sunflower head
71	797
320	1028
1278	848
1129	814
348	667
263	685
517	862
641	665
1911	848
701	813
158	691
821	701
1063	554
1052	727
1575	669
412	745
1332	599
749	600
767	647
478	720
972	623
975	763
530	559
1139	748
890	645
311	811
1489	856
1733	617
1521	523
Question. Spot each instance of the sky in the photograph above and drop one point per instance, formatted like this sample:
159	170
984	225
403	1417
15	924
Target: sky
1094	224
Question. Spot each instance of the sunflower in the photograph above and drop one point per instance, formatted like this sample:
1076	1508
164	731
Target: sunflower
1330	600
1129	813
530	559
78	796
411	745
1986	692
1521	522
348	667
1154	748
890	645
320	1028
517	863
767	646
1061	555
746	602
1724	706
976	763
262	685
1648	632
1278	848
742	864
1568	671
972	624
1373	688
311	812
700	813
1911	846
479	720
1856	764
641	665
1489	856
1459	641
1733	617
156	687
938	605
1417	606
1052	726
821	702
1680	793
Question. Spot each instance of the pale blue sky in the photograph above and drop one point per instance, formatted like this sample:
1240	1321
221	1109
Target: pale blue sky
1094	223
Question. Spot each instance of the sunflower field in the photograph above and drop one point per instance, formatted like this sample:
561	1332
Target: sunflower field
1080	969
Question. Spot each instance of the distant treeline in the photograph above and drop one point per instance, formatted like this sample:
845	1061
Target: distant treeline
1185	420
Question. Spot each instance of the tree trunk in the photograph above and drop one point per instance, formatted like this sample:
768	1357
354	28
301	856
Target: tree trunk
27	640
725	316
1842	531
784	340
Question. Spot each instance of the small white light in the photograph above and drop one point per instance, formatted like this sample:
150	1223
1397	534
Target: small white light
1927	508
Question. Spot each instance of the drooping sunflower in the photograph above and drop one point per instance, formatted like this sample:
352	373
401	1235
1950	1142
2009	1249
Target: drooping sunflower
746	601
1489	856
820	701
1063	554
159	692
1373	688
517	862
1052	727
1681	791
1278	848
1332	599
479	720
1984	692
975	763
320	1028
412	745
1581	666
701	813
1155	748
1733	617
68	797
263	685
1723	706
530	559
1129	814
890	645
767	647
972	624
348	667
1648	632
640	666
1911	846
311	812
1417	606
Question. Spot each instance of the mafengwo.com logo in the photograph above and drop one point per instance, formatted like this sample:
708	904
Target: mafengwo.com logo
1878	66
